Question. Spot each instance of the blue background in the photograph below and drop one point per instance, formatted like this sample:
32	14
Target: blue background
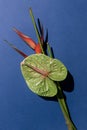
66	20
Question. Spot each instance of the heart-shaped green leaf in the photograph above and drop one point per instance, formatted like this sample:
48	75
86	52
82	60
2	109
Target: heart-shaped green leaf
40	72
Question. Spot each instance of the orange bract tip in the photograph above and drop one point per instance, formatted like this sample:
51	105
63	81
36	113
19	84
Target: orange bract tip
38	49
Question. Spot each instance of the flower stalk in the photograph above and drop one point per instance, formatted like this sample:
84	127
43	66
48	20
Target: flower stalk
36	30
64	108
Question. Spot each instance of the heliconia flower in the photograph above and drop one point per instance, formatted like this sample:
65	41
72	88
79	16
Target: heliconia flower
29	41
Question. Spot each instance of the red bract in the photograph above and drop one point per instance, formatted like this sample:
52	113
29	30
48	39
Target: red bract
16	49
38	49
29	41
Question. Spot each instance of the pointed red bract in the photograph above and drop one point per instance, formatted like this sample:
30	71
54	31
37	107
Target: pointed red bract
29	41
16	49
26	39
20	52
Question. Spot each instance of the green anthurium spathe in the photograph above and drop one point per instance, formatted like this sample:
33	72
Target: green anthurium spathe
40	73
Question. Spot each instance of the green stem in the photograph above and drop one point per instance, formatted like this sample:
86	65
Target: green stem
64	109
36	30
62	102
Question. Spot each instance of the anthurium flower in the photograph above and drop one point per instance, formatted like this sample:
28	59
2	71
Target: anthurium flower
31	43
